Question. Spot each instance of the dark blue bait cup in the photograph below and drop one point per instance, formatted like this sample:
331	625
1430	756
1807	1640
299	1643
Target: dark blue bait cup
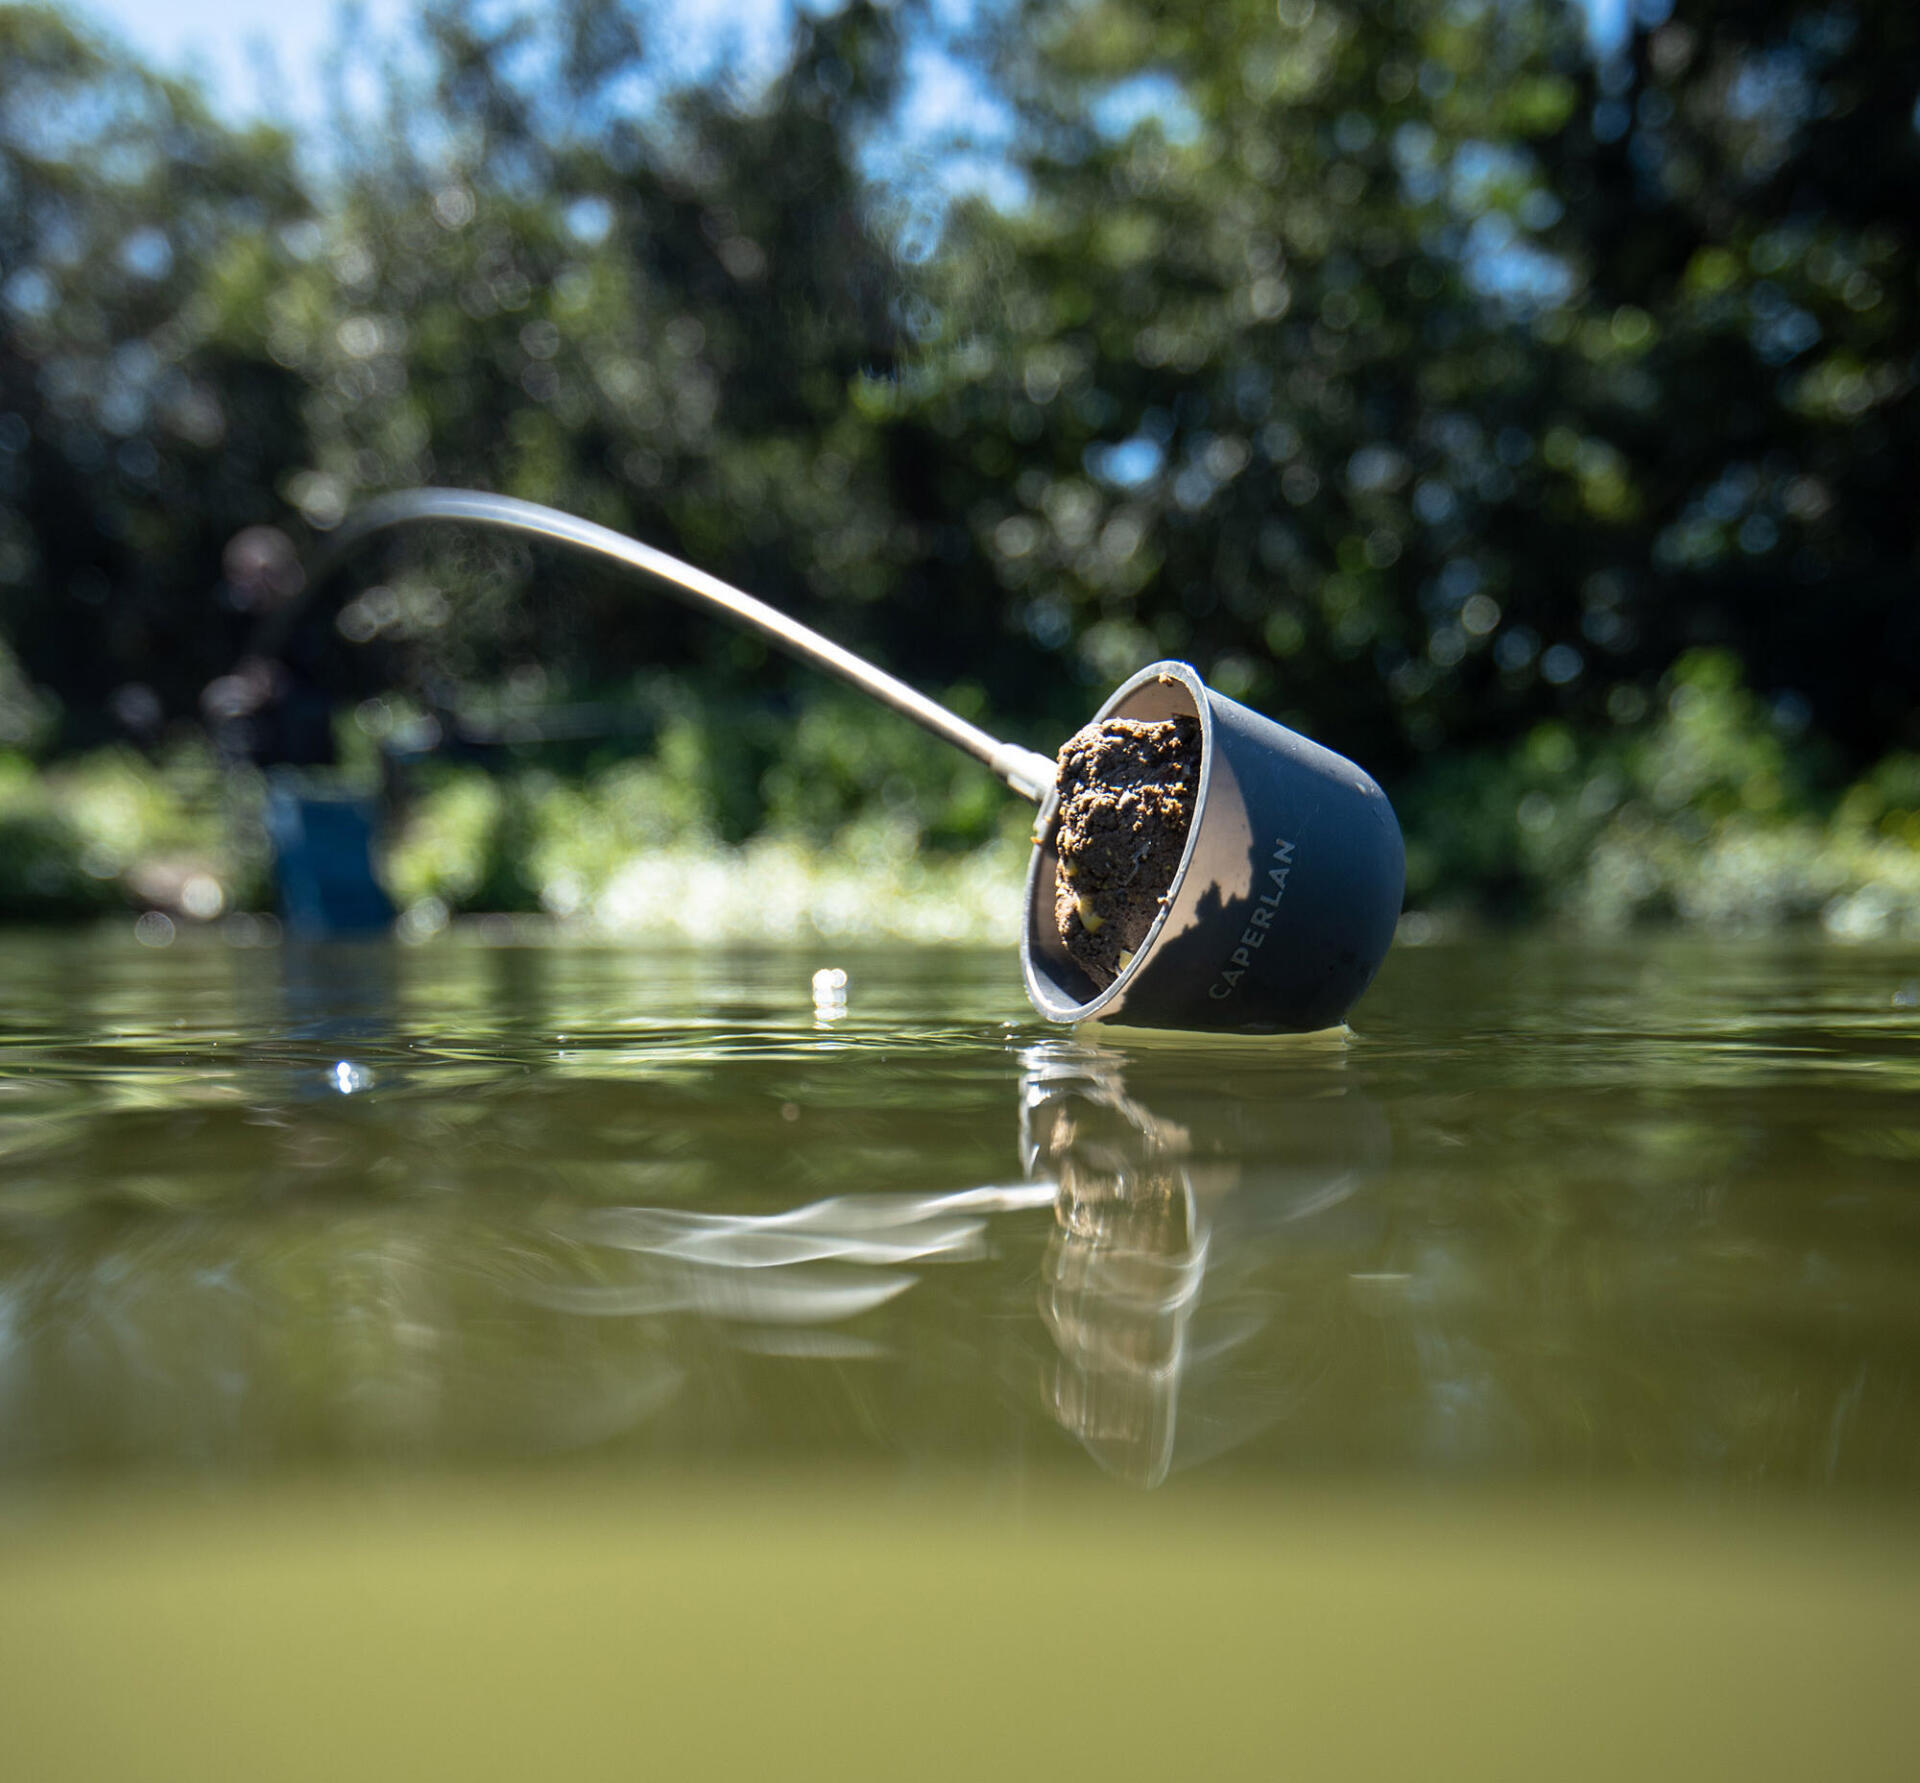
1285	899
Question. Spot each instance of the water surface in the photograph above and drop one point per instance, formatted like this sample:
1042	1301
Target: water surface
1646	1212
1625	1237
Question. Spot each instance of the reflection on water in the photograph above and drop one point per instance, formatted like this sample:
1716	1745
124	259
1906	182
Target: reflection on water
1630	1213
1125	1268
1165	1215
815	1265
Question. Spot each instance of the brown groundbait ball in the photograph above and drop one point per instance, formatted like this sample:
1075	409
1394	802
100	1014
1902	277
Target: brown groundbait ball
1127	792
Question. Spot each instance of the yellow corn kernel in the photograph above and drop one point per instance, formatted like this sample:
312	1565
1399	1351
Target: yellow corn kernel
1126	959
1090	919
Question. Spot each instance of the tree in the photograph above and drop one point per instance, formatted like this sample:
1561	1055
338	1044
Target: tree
1421	377
143	422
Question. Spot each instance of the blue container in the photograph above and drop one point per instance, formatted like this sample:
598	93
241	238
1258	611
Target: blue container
323	863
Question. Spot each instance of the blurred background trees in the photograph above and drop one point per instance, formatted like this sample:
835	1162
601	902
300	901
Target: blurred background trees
1460	390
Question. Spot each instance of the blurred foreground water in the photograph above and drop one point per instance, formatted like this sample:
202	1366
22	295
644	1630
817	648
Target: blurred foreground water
1542	1352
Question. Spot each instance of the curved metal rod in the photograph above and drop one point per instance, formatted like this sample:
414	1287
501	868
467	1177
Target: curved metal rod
1029	773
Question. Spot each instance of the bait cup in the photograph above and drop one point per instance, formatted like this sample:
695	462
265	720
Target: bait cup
1285	899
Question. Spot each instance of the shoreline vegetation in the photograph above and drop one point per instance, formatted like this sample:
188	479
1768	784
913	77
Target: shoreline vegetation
1523	405
1704	810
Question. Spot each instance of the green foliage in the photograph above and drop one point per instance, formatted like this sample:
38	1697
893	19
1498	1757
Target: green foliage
1427	381
112	830
840	780
1424	379
26	712
140	424
611	852
1699	811
1886	804
841	754
527	841
40	852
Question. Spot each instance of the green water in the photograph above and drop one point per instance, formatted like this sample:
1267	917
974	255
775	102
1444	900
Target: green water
1573	1296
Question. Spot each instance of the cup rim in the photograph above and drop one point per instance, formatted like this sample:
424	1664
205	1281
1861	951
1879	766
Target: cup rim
1054	1010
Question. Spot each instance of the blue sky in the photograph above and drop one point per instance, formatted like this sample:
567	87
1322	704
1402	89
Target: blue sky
216	37
221	40
266	58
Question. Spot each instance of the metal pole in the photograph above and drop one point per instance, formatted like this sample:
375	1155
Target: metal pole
1027	772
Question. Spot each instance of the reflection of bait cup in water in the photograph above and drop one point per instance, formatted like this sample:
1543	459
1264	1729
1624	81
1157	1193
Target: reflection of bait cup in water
1123	1271
1175	1198
1284	901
